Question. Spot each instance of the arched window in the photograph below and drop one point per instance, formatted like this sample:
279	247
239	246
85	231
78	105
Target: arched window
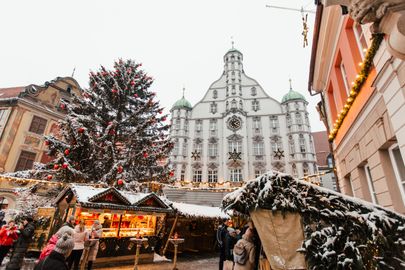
253	91
234	104
298	118
214	94
294	170
302	144
305	168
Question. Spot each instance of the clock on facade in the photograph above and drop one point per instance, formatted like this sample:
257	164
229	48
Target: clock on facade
234	123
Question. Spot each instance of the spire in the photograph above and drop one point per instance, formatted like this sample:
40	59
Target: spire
184	89
232	42
290	84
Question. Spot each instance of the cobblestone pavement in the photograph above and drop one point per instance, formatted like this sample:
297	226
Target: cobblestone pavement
197	264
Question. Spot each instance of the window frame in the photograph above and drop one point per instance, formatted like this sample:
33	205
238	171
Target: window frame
370	184
38	125
213	176
20	157
398	178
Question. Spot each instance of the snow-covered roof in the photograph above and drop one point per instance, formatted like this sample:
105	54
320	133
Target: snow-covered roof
194	210
89	196
339	231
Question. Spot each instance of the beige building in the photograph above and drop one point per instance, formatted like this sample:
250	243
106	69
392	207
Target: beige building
27	114
369	140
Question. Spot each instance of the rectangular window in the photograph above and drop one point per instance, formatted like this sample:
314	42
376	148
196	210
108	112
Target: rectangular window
182	175
3	119
399	168
258	173
361	39
177	124
212	149
176	149
370	184
302	145
197	176
257	126
38	125
255	105
25	161
258	149
234	145
212	176
235	175
298	118
198	126
198	148
344	77
213	128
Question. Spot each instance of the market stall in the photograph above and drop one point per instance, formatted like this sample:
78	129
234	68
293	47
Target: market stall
123	215
197	224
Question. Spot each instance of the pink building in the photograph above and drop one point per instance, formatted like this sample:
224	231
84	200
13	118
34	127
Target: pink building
360	83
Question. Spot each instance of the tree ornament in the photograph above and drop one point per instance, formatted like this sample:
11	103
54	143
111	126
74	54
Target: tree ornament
81	130
111	132
47	143
120	169
171	173
145	154
64	165
56	166
62	106
120	182
164	119
136	95
114	91
49	177
67	152
160	112
132	83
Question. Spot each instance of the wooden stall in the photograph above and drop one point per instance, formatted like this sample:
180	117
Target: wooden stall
197	224
123	215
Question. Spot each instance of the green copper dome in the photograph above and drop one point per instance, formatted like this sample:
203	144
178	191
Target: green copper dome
292	95
182	104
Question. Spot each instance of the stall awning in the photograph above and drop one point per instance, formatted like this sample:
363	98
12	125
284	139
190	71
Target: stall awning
201	211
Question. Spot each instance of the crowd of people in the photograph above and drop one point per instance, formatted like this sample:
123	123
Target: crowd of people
64	249
239	248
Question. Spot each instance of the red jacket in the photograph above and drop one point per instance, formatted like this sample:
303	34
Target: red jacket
8	235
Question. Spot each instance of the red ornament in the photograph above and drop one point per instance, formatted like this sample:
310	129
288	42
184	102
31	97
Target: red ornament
160	112
110	123
114	91
120	182
164	119
132	83
171	173
64	165
104	73
120	169
49	177
111	132
67	152
145	154
136	95
47	143
56	166
81	130
62	106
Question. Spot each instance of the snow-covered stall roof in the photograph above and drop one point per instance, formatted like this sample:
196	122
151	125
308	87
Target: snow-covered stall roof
340	232
90	196
194	210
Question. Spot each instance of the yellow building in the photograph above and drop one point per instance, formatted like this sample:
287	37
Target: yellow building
28	113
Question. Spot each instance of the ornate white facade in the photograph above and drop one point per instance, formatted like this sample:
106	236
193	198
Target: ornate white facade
237	131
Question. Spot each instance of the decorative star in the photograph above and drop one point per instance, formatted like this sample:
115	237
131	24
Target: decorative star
235	155
195	155
278	154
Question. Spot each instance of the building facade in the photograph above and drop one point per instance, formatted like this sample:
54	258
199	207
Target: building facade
27	114
238	132
324	163
369	141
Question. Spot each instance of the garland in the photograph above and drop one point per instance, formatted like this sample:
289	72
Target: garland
358	84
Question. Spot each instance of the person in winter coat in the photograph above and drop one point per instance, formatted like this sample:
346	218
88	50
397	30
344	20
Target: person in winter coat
53	240
8	234
80	236
27	229
221	234
70	222
244	252
96	233
56	260
2	221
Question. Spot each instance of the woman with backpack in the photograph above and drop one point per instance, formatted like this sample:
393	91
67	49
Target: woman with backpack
244	252
8	234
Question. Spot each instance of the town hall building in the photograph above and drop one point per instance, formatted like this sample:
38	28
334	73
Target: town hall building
238	132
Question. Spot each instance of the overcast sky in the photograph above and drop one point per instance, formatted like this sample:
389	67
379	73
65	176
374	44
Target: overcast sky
179	42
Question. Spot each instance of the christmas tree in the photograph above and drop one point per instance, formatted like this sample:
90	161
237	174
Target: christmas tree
114	134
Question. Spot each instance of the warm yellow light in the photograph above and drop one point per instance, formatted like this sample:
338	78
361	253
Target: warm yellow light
365	50
352	83
352	93
357	76
360	64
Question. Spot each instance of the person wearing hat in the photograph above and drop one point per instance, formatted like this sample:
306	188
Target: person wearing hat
53	240
56	260
27	229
